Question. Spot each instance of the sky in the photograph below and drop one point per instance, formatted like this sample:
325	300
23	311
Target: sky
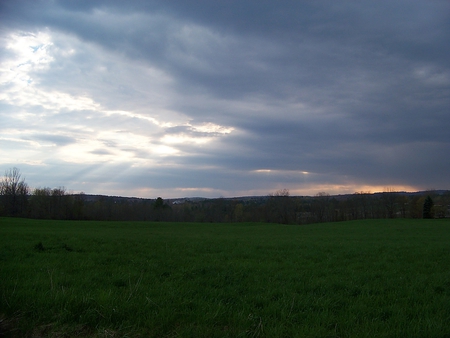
226	98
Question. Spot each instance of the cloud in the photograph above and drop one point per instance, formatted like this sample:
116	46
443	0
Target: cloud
59	140
226	98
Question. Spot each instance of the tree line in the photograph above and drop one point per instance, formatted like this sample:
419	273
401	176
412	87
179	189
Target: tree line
18	200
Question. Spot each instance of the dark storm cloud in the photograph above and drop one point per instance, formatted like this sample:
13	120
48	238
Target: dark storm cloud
350	92
261	47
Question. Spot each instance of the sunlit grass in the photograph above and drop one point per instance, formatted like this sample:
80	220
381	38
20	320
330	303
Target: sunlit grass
375	278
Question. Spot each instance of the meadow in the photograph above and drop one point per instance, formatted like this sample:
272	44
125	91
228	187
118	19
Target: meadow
372	278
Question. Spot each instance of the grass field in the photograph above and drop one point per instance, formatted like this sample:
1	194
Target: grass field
375	278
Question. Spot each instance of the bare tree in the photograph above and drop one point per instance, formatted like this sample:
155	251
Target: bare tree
389	198
279	208
321	206
13	193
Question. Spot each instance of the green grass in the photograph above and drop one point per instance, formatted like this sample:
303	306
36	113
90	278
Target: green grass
377	278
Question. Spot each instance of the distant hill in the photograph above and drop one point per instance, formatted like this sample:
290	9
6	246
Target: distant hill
247	199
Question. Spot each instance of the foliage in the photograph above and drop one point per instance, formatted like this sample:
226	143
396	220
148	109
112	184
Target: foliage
427	207
279	207
377	278
53	204
159	204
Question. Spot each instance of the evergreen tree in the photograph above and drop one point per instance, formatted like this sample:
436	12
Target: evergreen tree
427	208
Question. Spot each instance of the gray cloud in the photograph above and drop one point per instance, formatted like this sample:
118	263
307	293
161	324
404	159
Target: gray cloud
101	152
228	97
58	140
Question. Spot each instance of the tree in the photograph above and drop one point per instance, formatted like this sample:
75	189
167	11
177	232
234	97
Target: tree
389	198
361	205
13	193
238	212
279	208
159	204
321	206
428	207
40	203
161	210
78	206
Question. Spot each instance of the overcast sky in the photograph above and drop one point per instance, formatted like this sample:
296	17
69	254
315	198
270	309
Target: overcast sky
226	98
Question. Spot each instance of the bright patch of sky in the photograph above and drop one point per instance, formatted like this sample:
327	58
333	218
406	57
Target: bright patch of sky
74	127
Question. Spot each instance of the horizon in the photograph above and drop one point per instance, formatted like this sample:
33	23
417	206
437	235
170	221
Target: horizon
225	99
386	190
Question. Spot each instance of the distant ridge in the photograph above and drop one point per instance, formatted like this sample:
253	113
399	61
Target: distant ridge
180	200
